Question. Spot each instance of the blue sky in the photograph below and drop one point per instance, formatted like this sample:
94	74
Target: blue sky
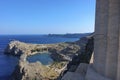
46	16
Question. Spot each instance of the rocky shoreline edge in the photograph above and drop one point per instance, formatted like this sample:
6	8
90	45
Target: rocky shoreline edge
67	56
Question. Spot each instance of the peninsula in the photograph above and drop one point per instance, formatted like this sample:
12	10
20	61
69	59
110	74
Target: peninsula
63	55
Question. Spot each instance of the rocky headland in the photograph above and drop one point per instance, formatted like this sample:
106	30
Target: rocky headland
66	56
60	51
68	35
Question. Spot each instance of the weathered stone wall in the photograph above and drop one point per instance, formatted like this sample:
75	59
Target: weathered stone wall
107	42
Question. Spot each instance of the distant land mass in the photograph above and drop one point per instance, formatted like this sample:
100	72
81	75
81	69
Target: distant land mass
70	35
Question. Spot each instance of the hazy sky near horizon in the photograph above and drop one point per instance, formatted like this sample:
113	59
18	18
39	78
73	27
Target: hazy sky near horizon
46	16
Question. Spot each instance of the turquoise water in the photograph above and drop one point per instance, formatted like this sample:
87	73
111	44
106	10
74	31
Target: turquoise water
44	58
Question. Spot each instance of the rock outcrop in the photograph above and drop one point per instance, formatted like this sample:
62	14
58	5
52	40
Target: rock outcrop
33	71
67	57
59	52
79	64
18	48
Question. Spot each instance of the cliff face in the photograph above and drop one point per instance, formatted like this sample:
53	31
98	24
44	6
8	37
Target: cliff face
16	48
85	53
78	65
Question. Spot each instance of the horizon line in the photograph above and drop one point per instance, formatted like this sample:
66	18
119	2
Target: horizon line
47	33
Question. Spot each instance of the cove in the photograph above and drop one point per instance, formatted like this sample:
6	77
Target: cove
44	58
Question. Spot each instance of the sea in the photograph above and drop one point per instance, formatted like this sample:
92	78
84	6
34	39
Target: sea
8	63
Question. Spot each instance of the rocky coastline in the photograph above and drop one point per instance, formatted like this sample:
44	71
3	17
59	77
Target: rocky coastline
63	51
66	58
